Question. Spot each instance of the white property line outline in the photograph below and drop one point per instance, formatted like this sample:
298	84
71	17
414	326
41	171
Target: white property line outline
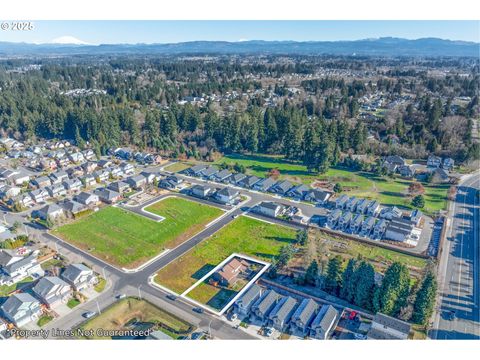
265	264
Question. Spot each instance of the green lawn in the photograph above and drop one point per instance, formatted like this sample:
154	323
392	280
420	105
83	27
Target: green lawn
243	235
72	303
120	314
100	286
43	320
126	239
5	289
362	184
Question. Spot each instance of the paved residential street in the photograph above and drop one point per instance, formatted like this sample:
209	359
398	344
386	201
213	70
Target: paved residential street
459	269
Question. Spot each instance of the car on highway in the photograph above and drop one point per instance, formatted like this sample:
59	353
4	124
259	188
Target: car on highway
88	314
171	297
198	310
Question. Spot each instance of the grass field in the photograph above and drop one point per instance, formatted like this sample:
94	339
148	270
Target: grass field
362	184
120	314
128	240
243	235
178	166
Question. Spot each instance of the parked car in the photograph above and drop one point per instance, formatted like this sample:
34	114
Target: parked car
88	314
198	310
171	297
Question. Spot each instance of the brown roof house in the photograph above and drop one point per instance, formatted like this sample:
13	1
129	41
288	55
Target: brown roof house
230	272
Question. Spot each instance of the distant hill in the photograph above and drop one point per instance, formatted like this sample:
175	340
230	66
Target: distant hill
374	47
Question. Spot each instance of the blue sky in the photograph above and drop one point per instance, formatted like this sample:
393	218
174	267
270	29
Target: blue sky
96	32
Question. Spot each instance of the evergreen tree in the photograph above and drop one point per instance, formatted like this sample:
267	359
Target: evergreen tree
311	273
392	295
302	237
425	299
418	201
349	281
333	276
365	285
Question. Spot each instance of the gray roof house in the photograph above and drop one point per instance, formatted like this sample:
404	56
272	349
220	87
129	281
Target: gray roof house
222	176
21	309
236	178
137	181
248	182
170	182
268	208
323	322
262	307
304	315
317	196
226	195
281	187
41	181
298	191
51	212
72	206
56	190
209	172
16	268
196	170
52	290
39	195
72	185
119	186
265	184
385	327
59	176
87	198
79	276
282	312
202	191
107	196
244	304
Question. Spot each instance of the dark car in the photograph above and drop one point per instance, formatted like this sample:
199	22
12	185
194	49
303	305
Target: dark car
198	310
171	297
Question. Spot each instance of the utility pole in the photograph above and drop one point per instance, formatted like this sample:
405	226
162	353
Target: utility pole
139	293
98	307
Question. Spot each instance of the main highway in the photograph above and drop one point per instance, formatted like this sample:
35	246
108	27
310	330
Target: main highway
458	312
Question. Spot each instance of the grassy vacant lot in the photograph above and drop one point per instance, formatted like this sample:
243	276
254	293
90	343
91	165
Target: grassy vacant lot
178	166
128	240
127	310
322	246
243	235
386	190
7	289
212	296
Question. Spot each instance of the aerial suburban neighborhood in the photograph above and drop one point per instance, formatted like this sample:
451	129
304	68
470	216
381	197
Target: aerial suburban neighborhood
304	190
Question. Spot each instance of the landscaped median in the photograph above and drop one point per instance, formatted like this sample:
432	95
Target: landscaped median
127	240
243	235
